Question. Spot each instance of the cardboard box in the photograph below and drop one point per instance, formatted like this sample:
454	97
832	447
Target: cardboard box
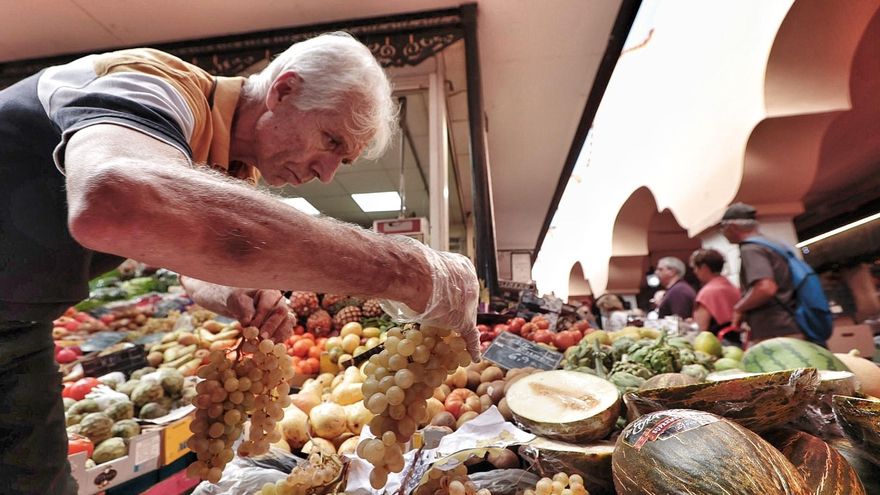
143	457
174	437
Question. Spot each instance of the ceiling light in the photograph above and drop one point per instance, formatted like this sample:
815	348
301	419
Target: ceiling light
381	201
302	205
838	230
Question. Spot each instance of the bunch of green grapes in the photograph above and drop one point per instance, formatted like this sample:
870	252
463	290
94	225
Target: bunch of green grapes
319	472
400	380
255	383
560	484
452	482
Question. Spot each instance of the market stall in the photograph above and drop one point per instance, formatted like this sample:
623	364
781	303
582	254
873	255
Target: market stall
353	403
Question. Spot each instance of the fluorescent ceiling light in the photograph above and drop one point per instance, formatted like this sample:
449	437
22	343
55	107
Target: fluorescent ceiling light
302	205
381	201
838	230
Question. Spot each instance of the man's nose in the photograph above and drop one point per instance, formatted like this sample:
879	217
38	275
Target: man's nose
326	167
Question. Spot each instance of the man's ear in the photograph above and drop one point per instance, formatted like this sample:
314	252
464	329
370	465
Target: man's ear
286	84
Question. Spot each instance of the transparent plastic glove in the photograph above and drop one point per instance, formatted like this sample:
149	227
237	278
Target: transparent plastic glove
454	297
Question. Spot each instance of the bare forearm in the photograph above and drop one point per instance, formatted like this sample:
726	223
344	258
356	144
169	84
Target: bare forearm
702	317
758	294
228	233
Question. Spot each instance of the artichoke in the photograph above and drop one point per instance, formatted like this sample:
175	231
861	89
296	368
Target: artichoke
620	347
659	356
626	382
632	368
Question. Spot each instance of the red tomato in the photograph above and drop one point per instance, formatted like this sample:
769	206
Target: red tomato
301	348
65	356
71	326
81	317
82	387
566	339
299	330
543	337
483	328
78	443
515	325
315	352
501	327
543	324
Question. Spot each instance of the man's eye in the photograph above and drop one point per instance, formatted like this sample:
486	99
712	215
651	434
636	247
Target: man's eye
332	142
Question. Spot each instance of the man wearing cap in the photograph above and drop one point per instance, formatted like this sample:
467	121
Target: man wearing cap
768	294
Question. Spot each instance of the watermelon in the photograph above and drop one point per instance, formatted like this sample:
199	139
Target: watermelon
785	353
824	469
698	453
759	402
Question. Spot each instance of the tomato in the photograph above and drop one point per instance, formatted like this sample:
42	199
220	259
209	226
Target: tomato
564	340
501	327
78	443
320	342
301	348
71	326
544	337
515	325
299	330
79	389
315	352
483	328
65	356
543	324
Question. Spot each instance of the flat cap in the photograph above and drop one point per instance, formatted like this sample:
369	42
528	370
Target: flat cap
740	211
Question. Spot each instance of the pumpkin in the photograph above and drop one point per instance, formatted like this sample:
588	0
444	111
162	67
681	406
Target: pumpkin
112	448
699	453
96	426
825	470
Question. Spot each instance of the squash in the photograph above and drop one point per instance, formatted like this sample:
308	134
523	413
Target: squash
698	453
825	470
866	371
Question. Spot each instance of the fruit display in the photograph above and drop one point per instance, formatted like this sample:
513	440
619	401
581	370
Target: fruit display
452	482
860	421
591	462
186	350
319	475
254	383
686	451
400	380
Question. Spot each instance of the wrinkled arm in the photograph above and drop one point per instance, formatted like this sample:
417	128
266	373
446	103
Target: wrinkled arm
759	293
134	196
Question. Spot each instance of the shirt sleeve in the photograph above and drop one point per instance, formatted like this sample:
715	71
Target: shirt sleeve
75	99
755	264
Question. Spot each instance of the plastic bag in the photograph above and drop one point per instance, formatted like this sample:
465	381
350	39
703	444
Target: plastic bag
104	396
505	481
454	296
246	476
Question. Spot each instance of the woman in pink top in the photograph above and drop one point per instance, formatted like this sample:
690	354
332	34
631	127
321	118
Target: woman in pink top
713	308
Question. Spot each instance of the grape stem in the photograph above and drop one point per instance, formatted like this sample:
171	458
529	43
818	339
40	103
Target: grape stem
409	472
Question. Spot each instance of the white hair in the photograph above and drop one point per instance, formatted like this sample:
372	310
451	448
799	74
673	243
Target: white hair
337	70
674	263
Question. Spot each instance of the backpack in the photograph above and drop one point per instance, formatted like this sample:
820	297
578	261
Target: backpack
811	312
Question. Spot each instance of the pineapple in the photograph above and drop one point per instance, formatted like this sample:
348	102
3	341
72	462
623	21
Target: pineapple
304	303
371	309
334	303
319	323
330	300
347	314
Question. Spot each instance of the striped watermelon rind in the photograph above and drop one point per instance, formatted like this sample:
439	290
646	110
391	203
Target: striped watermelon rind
783	353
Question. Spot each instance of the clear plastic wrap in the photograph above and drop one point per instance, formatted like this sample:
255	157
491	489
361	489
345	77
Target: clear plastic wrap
246	476
454	296
592	462
759	402
505	481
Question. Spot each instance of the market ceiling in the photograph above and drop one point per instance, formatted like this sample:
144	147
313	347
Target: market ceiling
539	61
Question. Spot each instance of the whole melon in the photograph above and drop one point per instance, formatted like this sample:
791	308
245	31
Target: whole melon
127	428
666	380
97	426
867	372
146	392
112	448
120	410
785	353
825	470
698	453
152	410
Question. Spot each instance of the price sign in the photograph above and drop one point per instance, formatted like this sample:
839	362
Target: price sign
510	351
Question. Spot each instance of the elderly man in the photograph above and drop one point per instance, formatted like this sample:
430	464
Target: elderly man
679	298
765	279
137	154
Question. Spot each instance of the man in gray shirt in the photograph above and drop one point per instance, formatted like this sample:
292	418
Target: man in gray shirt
768	299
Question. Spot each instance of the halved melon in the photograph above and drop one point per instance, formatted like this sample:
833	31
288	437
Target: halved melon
565	405
592	462
760	402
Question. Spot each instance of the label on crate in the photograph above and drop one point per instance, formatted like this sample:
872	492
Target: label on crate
510	351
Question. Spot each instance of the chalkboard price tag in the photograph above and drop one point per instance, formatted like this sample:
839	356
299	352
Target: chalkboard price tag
511	351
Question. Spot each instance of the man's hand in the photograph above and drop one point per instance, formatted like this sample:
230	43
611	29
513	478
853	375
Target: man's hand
454	297
736	319
265	309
